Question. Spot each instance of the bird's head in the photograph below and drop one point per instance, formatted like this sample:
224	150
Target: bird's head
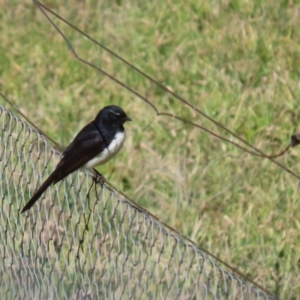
113	115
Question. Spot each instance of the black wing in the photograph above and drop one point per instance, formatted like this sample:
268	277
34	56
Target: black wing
88	143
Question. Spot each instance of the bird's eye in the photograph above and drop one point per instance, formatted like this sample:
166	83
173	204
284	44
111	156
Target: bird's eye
114	116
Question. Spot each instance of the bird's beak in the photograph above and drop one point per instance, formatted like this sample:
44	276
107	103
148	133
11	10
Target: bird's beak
127	119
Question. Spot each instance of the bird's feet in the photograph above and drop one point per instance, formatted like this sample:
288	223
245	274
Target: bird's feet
99	178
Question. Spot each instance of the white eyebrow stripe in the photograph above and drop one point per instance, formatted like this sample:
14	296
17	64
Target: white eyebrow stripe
114	112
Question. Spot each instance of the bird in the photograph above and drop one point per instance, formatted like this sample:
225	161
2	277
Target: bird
96	143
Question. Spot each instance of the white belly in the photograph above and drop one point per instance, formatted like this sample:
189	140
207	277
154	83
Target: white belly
113	148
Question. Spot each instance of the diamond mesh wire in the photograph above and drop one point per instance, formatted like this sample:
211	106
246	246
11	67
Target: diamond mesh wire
83	241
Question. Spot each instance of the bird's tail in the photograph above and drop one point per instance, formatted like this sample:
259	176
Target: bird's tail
40	191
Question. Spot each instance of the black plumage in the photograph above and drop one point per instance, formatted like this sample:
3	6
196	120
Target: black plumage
95	144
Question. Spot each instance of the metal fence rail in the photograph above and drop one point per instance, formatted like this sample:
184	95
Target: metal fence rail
83	241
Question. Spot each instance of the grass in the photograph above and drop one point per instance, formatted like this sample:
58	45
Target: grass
238	61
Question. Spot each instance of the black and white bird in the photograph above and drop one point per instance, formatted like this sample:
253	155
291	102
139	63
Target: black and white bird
94	145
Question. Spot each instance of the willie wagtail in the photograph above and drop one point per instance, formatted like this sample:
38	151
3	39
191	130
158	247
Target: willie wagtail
94	145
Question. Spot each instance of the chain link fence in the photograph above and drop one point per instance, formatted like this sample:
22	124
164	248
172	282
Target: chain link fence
84	241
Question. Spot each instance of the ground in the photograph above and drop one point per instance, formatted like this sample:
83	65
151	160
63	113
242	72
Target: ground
236	61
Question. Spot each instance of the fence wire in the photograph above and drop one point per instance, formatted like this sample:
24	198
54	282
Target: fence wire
83	241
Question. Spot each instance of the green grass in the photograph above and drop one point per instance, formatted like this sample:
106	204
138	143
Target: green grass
238	61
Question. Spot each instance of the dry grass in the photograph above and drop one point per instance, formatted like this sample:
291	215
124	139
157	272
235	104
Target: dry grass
236	60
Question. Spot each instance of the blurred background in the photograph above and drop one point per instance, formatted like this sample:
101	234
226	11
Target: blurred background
237	61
